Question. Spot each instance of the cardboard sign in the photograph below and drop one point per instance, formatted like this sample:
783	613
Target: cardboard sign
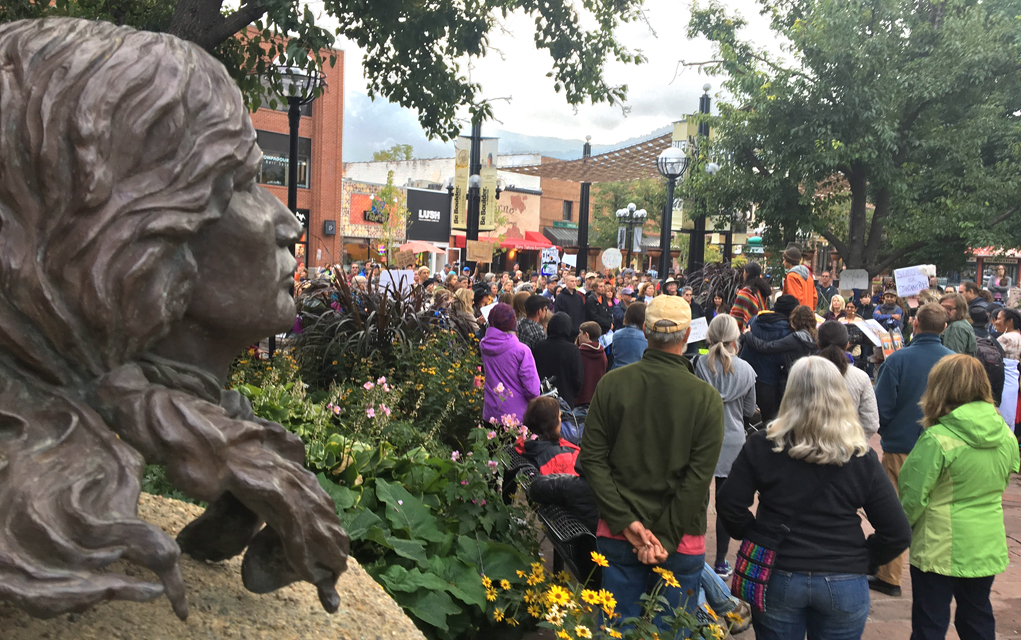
479	251
405	259
612	258
699	330
910	280
855	279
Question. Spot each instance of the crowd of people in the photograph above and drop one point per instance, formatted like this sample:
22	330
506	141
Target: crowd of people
776	404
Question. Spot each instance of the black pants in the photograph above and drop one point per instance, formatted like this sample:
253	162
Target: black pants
930	606
722	539
767	396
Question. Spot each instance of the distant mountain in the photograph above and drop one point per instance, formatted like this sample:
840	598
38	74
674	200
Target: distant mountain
371	126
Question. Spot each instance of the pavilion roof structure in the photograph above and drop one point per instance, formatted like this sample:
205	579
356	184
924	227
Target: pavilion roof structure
635	162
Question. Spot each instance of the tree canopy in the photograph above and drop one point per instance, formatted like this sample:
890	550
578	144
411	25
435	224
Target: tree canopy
396	152
893	129
607	197
418	52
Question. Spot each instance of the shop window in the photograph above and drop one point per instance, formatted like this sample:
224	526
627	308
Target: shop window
568	210
275	152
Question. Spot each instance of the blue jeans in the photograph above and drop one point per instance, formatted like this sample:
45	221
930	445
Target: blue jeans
828	606
627	578
716	592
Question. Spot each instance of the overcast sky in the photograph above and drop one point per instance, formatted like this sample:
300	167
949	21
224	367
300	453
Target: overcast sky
515	69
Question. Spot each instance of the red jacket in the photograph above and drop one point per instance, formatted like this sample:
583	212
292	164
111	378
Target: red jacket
550	457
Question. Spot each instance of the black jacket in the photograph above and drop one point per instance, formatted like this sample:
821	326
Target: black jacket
570	492
791	347
598	310
827	536
557	356
573	304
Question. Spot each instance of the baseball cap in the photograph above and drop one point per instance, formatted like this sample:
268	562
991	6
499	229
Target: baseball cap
591	274
667	314
627	291
553	278
466	269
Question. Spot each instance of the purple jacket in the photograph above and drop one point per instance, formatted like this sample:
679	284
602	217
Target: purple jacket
508	362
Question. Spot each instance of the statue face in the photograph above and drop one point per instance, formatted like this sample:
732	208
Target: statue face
246	270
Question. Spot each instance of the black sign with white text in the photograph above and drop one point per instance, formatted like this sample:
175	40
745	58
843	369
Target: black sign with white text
428	215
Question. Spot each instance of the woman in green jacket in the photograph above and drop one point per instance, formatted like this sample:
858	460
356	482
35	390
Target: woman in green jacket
951	487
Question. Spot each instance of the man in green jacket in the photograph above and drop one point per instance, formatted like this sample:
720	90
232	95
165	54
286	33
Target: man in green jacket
959	337
651	442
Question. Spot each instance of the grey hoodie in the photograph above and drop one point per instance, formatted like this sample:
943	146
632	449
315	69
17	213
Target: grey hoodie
737	389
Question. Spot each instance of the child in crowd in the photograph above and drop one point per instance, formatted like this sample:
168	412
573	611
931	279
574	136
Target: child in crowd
593	360
549	452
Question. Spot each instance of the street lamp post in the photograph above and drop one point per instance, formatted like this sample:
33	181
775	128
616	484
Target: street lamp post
300	87
630	216
671	164
696	245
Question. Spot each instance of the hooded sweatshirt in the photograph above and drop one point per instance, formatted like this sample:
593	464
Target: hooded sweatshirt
511	378
558	357
951	488
766	326
737	389
593	360
799	283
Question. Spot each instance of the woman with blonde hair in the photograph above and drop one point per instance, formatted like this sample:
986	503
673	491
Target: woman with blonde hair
813	470
836	307
951	487
735	380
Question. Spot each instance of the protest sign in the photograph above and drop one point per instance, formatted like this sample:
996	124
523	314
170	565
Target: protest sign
612	258
486	309
405	259
549	260
854	279
392	280
910	280
868	332
699	330
479	251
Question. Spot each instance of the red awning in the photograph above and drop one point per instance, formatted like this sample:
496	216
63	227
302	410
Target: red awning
533	241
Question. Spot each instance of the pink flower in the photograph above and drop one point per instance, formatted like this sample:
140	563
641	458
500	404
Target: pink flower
483	502
370	411
499	387
385	409
490	435
368	386
329	406
478	368
386	388
454	456
477	382
336	410
400	502
381	380
492	464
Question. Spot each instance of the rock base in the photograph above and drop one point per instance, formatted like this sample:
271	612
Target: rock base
220	607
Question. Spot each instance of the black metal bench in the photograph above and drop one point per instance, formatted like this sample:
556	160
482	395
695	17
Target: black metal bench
572	541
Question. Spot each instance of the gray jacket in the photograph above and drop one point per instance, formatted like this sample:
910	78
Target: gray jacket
737	389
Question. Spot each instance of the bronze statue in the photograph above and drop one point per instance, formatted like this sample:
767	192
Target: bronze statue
137	257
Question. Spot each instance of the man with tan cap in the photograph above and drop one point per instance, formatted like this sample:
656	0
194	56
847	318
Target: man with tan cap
650	446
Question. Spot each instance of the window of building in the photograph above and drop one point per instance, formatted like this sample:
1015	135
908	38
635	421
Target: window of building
568	209
275	151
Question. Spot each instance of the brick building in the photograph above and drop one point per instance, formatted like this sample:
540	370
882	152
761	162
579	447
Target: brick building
320	168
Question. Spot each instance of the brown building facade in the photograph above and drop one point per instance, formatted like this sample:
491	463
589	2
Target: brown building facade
320	169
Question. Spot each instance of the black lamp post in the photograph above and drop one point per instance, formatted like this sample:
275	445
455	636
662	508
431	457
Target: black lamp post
300	88
671	164
630	216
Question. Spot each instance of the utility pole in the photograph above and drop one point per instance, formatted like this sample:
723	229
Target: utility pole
582	264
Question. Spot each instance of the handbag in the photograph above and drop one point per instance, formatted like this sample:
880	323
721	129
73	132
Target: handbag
754	564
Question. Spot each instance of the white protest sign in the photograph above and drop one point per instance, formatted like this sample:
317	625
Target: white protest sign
612	258
854	279
910	280
571	260
486	309
390	280
699	330
864	327
549	260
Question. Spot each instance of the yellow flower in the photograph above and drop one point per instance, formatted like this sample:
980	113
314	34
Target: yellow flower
555	616
563	635
717	631
558	595
607	600
512	622
505	585
534	611
531	596
564	577
486	582
590	596
521	574
491	595
668	577
334	362
582	631
599	559
498	614
614	633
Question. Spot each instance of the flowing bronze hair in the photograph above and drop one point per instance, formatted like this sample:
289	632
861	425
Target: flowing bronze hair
954	382
118	147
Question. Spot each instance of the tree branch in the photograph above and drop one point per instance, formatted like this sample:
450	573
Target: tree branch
837	243
1005	215
201	22
754	160
895	256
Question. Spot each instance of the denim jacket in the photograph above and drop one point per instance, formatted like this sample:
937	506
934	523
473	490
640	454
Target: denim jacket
628	346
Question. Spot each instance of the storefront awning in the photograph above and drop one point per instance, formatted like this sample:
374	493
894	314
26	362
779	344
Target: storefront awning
532	241
561	237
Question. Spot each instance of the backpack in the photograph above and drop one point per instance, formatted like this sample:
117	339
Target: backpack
992	360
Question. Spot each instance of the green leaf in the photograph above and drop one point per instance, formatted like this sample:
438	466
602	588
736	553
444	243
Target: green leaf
431	607
408	513
343	497
461	580
410	549
397	578
358	523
